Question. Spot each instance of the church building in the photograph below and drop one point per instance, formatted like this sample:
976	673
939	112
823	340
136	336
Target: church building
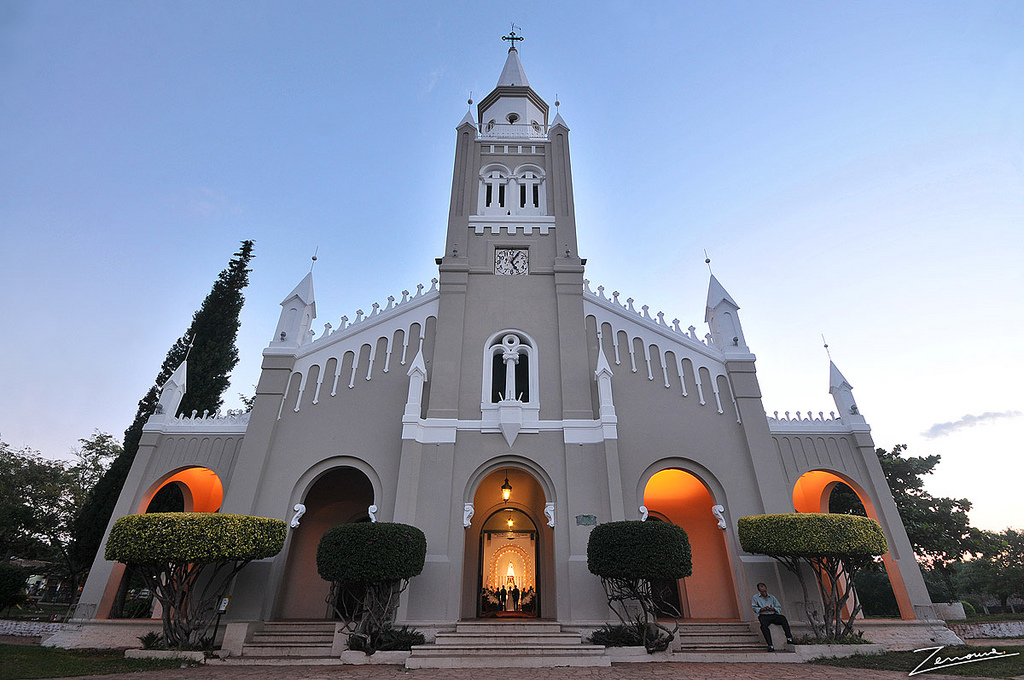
506	409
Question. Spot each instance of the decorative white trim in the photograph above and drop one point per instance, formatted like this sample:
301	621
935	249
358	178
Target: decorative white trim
372	512
717	511
443	430
549	512
512	224
811	425
300	510
644	513
233	423
467	515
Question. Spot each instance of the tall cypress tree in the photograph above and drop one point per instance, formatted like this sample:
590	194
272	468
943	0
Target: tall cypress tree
212	337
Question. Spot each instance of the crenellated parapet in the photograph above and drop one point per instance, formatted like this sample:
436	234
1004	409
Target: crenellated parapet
806	424
668	354
362	320
656	323
229	422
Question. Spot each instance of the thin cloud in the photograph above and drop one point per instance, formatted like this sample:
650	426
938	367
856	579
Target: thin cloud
969	420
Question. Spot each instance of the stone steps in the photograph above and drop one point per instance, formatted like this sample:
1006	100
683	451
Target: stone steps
718	636
518	644
291	639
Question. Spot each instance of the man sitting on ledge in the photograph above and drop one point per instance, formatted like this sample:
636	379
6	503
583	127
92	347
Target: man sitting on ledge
769	611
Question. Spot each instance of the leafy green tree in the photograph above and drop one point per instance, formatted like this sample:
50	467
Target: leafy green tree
938	527
835	546
997	569
31	494
188	560
12	585
213	355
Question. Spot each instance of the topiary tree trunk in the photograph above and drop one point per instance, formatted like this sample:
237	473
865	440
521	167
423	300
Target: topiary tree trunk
188	561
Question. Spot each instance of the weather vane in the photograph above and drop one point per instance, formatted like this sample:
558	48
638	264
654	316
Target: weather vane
512	37
826	347
707	261
317	250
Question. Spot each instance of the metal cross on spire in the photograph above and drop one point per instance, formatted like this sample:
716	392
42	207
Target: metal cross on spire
512	37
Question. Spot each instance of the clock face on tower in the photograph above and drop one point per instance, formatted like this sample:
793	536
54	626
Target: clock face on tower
511	261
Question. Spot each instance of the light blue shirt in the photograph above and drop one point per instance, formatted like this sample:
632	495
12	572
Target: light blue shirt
759	602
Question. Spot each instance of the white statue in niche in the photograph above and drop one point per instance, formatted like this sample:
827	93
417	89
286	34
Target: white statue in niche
467	515
300	510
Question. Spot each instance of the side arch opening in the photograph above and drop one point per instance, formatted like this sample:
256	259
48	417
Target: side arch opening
827	491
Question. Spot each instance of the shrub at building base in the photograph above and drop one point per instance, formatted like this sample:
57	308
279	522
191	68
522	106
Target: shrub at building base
835	546
369	566
12	585
188	560
629	557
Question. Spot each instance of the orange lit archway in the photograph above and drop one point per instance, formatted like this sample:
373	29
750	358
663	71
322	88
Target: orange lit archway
682	498
200	487
811	494
201	491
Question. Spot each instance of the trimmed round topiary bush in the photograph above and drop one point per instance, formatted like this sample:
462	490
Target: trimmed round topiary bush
367	552
645	550
808	534
194	537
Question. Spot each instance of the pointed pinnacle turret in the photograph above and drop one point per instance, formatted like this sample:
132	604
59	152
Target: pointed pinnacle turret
716	295
842	393
513	74
835	378
721	316
297	313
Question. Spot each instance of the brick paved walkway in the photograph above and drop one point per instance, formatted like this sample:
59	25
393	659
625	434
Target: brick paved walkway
644	671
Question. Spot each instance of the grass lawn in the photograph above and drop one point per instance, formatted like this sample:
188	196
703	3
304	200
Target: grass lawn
908	661
30	661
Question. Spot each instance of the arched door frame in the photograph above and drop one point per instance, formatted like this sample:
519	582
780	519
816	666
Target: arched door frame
718	497
509	461
300	490
545	548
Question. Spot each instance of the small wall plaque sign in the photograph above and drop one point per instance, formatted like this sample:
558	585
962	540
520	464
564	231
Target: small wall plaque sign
586	520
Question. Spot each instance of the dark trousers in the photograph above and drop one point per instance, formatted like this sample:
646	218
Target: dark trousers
769	619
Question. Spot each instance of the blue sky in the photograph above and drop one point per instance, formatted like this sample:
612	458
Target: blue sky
854	170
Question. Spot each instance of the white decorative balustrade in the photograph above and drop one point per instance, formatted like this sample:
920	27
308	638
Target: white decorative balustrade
644	316
512	131
377	313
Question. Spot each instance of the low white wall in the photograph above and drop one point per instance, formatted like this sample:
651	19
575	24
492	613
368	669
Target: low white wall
28	628
102	634
993	629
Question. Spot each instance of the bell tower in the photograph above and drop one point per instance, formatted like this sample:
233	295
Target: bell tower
510	270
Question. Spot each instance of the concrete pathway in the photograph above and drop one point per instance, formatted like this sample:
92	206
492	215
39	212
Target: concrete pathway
675	671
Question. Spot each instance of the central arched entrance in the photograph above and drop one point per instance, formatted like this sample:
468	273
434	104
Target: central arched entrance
509	545
508	565
341	495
